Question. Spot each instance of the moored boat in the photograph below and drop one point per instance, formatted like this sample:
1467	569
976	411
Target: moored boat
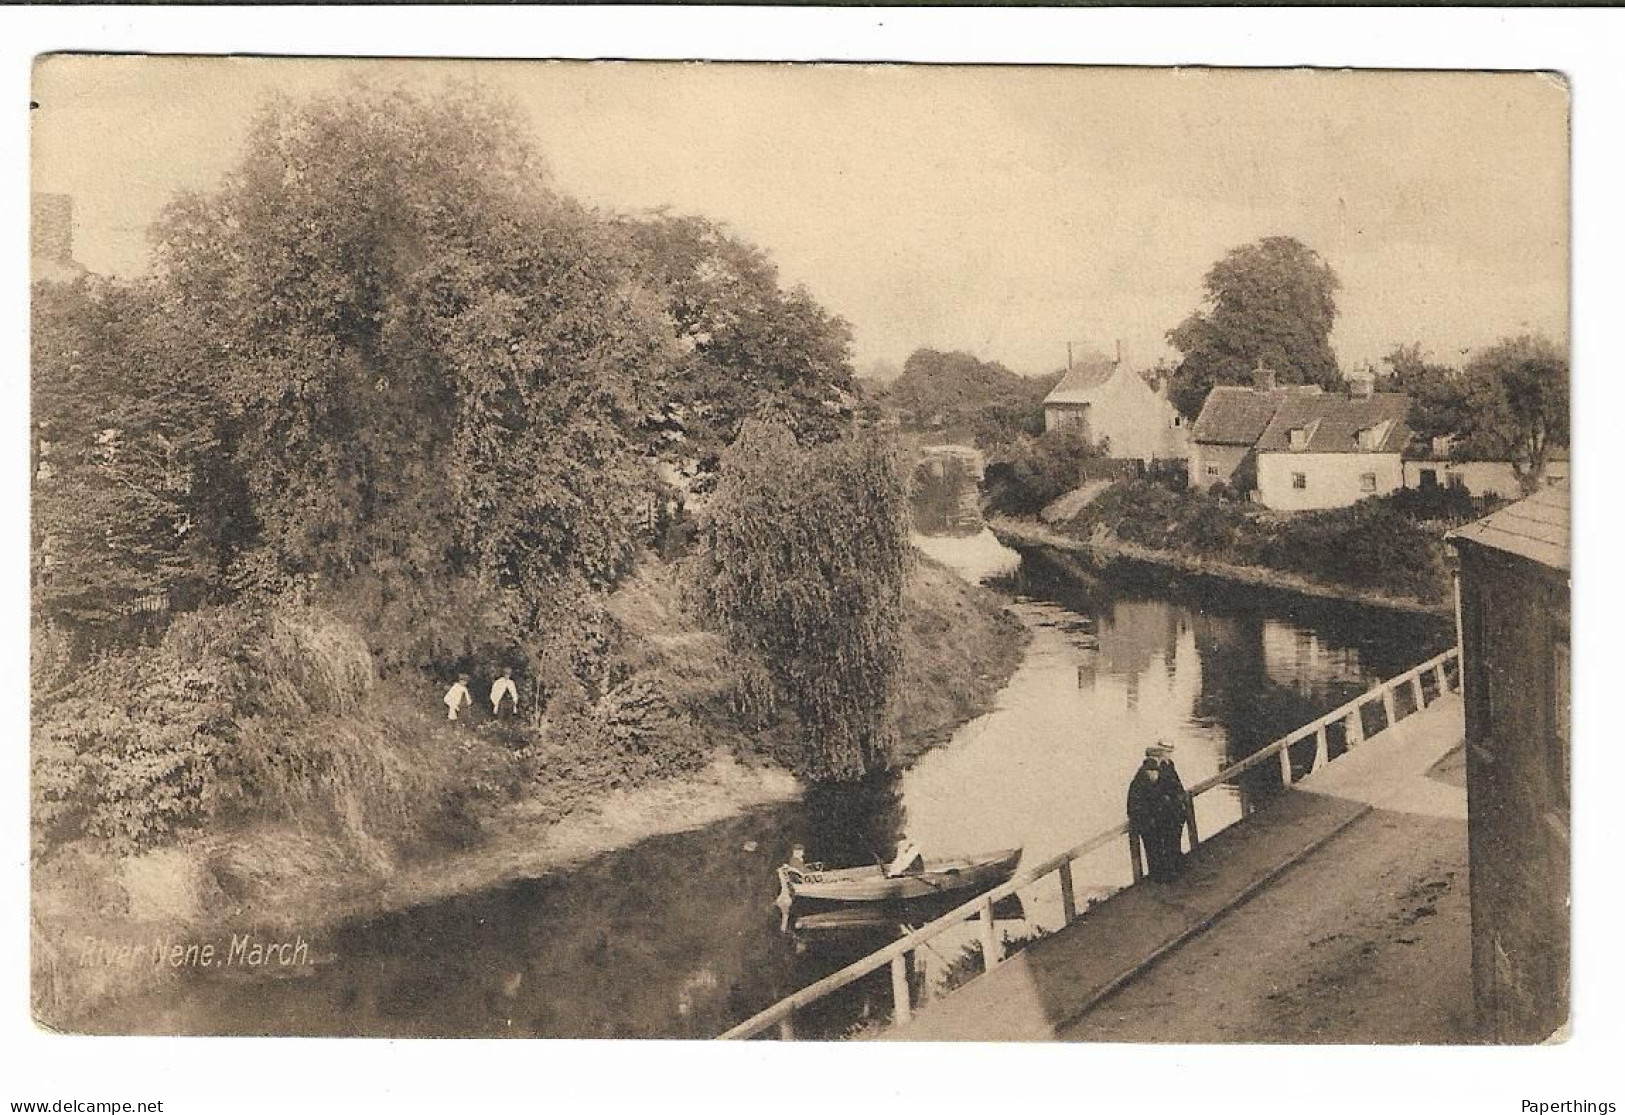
925	878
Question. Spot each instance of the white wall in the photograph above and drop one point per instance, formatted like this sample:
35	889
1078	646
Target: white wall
1332	479
1481	478
1124	410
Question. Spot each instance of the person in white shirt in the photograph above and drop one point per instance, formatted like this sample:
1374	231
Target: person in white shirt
457	697
504	687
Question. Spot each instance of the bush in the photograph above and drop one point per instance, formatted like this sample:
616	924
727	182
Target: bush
1376	545
239	716
1029	474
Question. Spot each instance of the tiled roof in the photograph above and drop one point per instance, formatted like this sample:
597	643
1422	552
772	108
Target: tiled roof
1081	382
1334	423
1536	528
1238	415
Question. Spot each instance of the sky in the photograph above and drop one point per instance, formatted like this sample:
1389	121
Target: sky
1003	211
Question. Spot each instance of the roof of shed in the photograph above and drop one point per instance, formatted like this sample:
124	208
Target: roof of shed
1536	528
1335	421
1081	382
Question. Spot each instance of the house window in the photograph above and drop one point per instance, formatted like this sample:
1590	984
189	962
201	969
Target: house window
1430	478
1213	470
1368	482
1300	481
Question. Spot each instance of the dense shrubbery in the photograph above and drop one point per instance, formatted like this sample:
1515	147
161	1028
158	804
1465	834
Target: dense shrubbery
238	717
1377	545
1030	473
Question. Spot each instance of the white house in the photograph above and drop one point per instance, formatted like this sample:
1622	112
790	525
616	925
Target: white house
1301	448
1113	404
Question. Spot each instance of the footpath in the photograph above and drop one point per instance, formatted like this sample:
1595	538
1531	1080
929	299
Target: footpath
1337	913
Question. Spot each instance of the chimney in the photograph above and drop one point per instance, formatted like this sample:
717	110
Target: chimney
1361	386
1263	376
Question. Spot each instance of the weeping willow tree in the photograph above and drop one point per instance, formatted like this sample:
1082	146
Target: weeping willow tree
804	575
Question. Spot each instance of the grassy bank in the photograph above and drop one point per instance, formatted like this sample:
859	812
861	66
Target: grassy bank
308	791
1387	551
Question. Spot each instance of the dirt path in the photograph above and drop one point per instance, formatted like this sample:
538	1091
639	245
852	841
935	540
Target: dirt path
1366	941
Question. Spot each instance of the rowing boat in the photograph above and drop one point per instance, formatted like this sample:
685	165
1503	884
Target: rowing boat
876	884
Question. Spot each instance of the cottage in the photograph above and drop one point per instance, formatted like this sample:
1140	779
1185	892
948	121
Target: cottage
1113	404
1514	619
1300	448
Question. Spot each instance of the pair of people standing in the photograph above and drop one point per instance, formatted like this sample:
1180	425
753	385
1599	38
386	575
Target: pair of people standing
504	694
1157	812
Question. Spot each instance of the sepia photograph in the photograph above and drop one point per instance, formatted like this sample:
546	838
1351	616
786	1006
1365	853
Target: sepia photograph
799	552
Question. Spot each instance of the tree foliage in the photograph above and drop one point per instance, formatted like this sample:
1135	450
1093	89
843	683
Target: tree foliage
1517	404
1438	403
424	356
804	575
958	392
1272	301
127	471
1027	475
746	347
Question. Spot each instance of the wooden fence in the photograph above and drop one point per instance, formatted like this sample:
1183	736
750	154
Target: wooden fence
1398	697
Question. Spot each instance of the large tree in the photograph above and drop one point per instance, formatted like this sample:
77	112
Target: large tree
747	347
1273	301
1438	396
1516	405
804	571
129	502
425	358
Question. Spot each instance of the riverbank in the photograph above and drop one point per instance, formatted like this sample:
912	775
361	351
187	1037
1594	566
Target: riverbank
1101	550
288	879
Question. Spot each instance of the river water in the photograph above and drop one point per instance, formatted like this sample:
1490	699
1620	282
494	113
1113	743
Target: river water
678	936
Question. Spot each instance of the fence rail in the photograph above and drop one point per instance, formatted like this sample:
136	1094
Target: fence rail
1412	684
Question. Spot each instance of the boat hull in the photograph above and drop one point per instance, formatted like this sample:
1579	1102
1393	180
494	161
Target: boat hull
872	884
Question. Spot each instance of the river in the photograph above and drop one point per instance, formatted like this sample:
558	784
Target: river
678	936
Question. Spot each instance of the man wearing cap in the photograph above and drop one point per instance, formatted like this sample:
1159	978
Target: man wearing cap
1156	812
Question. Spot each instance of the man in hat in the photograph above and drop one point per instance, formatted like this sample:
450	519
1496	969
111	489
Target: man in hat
1178	804
1156	813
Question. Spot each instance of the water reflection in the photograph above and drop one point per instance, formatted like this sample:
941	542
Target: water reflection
678	936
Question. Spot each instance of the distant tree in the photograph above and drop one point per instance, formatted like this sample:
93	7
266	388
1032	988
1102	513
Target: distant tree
803	573
1517	404
960	393
127	496
424	357
746	346
1436	391
1272	301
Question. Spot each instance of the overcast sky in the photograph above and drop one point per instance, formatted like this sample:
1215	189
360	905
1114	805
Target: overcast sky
1003	211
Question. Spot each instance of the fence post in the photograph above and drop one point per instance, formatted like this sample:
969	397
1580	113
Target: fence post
1134	855
1354	729
1286	765
1388	706
1069	899
990	939
901	1010
1322	748
787	1027
1190	820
